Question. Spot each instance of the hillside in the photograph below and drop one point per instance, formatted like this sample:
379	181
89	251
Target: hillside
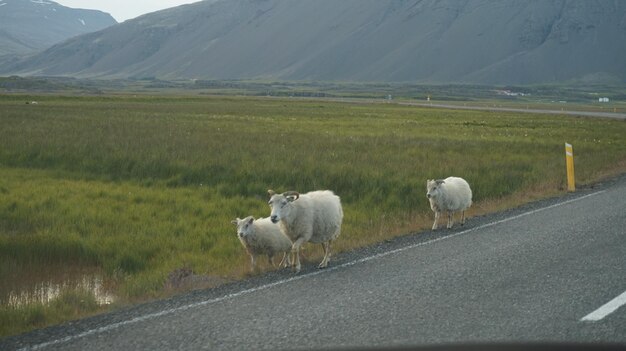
429	41
27	26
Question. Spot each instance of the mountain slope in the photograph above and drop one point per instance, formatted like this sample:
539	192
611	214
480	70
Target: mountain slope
472	41
27	26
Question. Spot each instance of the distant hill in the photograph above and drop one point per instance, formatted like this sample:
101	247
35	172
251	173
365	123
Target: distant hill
27	26
428	41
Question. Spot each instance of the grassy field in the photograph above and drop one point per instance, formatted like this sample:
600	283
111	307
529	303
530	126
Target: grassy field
140	186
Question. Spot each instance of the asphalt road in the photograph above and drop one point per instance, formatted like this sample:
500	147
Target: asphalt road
539	273
614	115
563	112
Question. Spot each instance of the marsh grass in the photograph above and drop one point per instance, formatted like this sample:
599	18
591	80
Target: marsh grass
142	186
71	304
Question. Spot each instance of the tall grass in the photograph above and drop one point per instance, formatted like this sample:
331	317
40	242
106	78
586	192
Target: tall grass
70	304
140	186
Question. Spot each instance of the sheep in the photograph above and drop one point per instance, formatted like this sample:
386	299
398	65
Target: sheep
452	194
261	237
312	217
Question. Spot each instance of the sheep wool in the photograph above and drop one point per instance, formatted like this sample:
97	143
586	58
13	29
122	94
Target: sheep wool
312	217
262	237
450	195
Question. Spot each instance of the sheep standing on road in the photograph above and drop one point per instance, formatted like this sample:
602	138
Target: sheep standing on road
452	194
262	237
315	216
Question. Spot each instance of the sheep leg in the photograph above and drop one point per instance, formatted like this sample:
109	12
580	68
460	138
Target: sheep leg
286	261
326	247
295	251
450	219
283	262
270	259
292	254
463	217
436	219
253	263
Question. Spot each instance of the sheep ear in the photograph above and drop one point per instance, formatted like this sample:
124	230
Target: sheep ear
251	220
271	192
440	181
235	221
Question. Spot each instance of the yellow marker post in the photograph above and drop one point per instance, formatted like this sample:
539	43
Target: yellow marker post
569	160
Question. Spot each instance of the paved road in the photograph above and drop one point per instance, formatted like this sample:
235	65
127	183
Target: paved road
615	115
534	274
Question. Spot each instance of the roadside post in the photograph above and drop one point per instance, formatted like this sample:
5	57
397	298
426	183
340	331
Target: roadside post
569	160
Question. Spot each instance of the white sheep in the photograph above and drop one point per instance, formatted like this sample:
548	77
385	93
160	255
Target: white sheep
262	237
312	217
452	194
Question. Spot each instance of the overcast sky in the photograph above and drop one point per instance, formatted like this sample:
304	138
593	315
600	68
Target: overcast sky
122	10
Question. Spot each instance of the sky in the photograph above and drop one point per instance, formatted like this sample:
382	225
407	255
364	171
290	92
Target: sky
122	10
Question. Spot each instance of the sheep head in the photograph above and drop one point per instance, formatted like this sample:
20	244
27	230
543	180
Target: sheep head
280	204
244	226
432	187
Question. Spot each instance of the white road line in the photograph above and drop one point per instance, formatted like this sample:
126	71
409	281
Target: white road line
606	309
294	278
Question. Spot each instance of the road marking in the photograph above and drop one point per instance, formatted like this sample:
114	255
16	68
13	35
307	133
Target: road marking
606	309
294	278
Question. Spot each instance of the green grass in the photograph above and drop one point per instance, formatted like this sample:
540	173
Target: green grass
142	185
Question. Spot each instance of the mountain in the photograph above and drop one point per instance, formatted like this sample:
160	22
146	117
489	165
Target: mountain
428	41
27	26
